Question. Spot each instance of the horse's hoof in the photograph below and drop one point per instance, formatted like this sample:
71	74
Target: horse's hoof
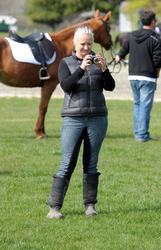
42	136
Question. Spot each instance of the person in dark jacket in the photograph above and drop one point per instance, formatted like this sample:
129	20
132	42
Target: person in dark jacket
83	76
144	49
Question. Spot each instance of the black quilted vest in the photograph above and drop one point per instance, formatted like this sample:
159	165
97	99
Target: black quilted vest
87	98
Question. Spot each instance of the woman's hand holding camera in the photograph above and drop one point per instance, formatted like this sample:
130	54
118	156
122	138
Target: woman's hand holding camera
101	62
97	59
86	62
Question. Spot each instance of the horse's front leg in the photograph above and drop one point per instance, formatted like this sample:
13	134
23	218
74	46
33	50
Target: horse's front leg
46	92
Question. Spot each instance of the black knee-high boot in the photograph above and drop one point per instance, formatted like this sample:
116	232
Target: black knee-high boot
58	191
90	187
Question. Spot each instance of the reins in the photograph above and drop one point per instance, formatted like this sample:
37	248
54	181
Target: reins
115	66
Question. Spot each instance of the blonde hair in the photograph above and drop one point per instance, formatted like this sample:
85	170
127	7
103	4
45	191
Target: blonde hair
81	31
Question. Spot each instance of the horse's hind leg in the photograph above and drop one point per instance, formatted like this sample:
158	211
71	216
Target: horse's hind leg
46	92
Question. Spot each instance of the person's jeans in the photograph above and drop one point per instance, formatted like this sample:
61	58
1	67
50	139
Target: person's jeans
143	94
90	130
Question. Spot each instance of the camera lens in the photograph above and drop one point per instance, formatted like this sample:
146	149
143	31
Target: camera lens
94	60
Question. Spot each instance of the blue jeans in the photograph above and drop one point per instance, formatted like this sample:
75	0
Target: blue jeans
143	94
75	130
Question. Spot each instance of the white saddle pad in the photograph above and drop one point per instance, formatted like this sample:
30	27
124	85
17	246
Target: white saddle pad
22	52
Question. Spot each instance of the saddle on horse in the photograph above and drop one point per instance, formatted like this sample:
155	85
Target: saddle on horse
42	49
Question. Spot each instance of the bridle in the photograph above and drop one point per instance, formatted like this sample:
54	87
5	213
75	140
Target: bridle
115	67
106	27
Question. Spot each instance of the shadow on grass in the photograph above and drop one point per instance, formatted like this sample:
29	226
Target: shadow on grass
119	136
117	212
131	210
73	213
57	136
17	137
129	136
5	173
114	212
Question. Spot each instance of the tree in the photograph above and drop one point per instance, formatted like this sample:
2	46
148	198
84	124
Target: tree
84	5
154	5
45	11
132	9
53	11
72	6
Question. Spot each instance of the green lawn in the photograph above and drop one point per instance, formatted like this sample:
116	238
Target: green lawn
129	192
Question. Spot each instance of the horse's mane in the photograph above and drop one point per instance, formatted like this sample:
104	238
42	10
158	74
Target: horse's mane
92	22
73	27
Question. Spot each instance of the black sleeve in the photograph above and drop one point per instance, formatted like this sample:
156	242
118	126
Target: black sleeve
108	80
66	79
157	53
124	50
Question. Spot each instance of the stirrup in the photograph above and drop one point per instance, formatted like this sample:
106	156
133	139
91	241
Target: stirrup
43	74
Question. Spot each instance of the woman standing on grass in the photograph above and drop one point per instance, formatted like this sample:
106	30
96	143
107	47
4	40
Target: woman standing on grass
82	76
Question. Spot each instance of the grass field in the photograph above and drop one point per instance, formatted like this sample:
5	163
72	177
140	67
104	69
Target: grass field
129	198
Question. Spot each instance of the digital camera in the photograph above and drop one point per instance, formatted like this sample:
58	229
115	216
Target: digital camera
94	59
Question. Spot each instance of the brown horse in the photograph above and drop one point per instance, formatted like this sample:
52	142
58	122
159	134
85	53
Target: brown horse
20	74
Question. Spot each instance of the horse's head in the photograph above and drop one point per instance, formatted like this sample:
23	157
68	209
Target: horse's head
63	39
101	29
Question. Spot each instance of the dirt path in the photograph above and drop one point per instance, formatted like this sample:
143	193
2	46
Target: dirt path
121	92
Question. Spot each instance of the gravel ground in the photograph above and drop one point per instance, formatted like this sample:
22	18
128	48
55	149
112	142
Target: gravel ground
121	92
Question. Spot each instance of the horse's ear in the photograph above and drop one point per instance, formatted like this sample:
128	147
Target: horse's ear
107	16
97	13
